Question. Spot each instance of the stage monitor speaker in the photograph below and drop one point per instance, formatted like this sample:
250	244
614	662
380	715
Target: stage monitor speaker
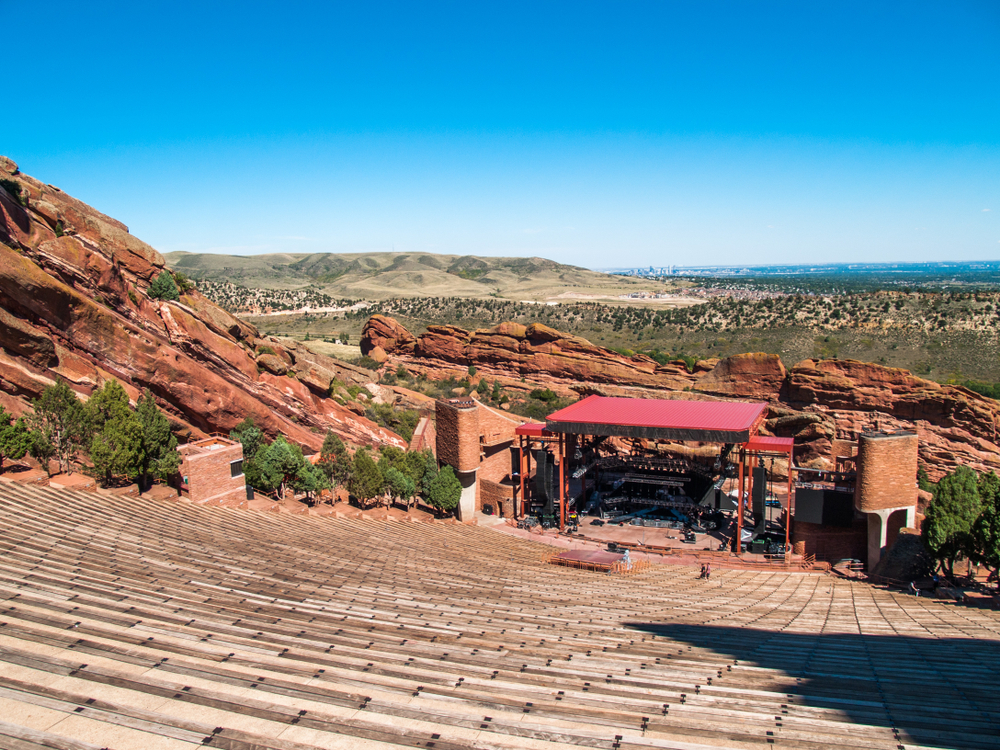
838	508
759	490
543	474
824	507
809	506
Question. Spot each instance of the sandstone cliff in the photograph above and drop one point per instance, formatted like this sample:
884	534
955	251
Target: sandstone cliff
814	401
73	306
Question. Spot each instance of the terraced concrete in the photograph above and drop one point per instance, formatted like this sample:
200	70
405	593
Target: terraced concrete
137	624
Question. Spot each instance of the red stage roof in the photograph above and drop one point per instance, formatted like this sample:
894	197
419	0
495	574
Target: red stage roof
765	444
532	429
657	419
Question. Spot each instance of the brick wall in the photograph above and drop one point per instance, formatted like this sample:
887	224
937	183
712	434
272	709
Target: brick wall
424	436
458	434
496	496
830	543
209	477
887	471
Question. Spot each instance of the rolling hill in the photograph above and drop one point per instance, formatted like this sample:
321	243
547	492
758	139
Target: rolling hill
384	275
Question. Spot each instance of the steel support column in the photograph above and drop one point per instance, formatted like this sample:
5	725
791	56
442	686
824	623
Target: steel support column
519	507
562	482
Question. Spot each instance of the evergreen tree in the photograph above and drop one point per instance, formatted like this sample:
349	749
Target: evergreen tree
430	472
366	479
164	287
399	486
115	444
250	436
334	460
924	481
986	529
280	464
160	459
948	525
308	478
59	425
15	438
106	404
444	490
116	448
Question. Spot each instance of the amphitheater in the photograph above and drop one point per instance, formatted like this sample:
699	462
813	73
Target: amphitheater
128	623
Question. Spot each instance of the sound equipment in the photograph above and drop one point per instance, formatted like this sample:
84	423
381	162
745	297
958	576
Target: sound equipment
546	480
824	507
759	490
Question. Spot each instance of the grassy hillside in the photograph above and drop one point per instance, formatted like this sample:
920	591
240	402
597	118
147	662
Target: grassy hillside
386	275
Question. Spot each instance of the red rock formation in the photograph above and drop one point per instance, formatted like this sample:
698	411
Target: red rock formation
73	306
813	402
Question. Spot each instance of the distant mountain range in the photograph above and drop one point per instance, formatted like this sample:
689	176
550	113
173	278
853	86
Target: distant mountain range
383	275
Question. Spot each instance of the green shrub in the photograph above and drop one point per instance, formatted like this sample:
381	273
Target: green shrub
264	349
366	362
14	188
164	287
184	284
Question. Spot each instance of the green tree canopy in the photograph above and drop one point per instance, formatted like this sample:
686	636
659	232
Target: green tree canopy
115	444
15	438
164	287
366	479
334	461
950	517
444	490
160	459
249	435
399	486
986	529
116	448
59	425
279	465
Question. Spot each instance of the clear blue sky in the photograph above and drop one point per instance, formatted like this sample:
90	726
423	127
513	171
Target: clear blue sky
601	134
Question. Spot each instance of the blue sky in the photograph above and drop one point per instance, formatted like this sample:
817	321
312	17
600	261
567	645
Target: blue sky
600	134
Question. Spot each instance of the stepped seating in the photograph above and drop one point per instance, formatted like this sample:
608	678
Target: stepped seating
133	623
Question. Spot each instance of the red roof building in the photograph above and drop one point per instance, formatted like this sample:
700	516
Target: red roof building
656	419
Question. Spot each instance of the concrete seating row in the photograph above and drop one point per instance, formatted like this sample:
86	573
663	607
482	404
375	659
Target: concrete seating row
127	622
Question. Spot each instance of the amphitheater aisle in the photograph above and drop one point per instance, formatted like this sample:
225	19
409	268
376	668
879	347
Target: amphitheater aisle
129	623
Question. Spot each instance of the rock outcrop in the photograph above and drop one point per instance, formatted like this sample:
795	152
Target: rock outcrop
73	307
813	401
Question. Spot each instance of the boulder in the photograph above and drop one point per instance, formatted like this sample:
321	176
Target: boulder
753	376
272	364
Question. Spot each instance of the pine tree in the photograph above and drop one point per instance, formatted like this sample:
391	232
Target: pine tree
59	425
160	459
280	464
116	449
164	287
334	461
444	490
15	438
950	517
115	444
399	486
986	529
366	479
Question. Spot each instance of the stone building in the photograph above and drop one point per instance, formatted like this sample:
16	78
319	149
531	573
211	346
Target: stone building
886	487
476	441
871	495
212	472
